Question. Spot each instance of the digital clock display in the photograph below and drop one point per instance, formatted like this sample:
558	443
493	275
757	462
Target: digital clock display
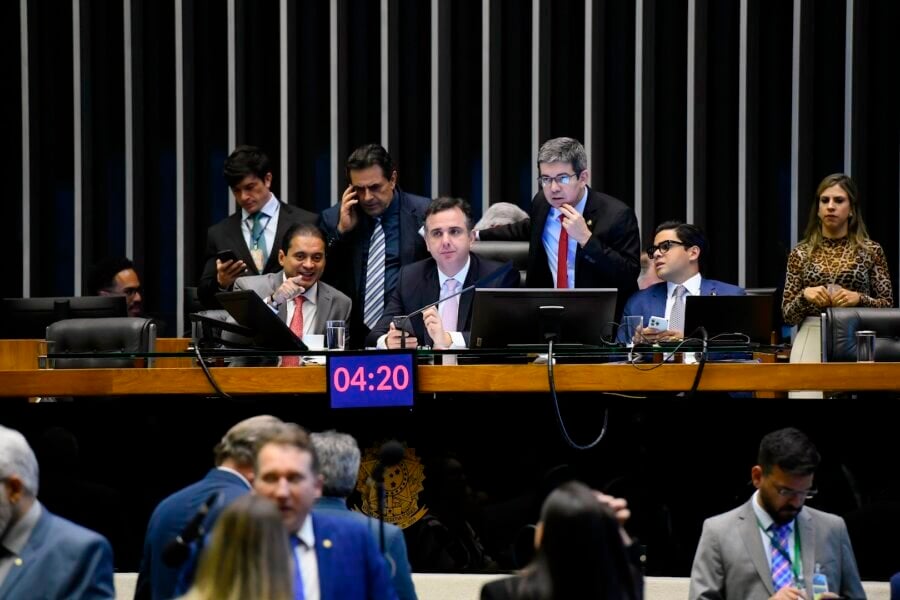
371	379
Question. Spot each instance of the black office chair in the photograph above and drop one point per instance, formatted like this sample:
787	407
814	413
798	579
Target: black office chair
517	252
839	327
110	334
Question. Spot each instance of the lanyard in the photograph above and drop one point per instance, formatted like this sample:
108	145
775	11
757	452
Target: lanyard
254	241
796	565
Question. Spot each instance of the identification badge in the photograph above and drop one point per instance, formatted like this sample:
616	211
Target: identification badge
257	255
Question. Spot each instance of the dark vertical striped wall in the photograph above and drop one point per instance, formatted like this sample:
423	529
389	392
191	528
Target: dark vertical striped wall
118	116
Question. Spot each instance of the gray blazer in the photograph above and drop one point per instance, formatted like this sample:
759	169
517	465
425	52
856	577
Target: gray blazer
331	304
731	561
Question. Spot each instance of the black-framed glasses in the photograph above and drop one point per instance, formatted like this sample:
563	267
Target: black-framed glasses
564	179
663	247
789	493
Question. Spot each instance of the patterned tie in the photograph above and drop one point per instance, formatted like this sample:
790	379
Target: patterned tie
450	308
676	323
257	239
781	565
297	329
562	257
297	546
373	306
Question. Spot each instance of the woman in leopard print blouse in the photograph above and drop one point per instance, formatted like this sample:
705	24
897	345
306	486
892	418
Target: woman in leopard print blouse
836	264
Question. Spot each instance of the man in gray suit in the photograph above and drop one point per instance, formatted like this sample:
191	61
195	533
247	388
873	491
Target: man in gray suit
771	546
302	258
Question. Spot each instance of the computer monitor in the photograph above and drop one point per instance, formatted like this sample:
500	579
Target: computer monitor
503	317
747	315
28	318
269	331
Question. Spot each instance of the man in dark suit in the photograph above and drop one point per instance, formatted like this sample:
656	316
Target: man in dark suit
371	234
230	479
452	267
339	459
42	555
253	233
302	257
679	253
598	234
335	558
771	546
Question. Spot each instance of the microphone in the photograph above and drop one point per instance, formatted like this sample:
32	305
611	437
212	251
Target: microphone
178	550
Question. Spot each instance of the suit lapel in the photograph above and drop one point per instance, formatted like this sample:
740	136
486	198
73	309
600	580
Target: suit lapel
591	208
323	304
325	545
430	292
236	242
659	300
463	317
807	544
30	555
750	535
283	223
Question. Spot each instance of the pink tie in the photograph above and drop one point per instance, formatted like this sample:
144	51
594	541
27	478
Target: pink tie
297	328
450	308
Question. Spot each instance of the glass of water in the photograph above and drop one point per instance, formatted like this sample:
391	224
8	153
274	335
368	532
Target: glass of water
335	334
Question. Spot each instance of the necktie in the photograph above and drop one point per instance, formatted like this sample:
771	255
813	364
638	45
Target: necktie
562	257
297	329
450	308
676	323
297	546
781	564
374	297
257	237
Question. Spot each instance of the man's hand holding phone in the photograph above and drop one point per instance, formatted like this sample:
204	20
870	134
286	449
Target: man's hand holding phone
348	218
228	268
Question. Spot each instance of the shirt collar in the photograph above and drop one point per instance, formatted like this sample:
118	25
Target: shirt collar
17	536
692	284
762	515
459	277
311	295
236	474
270	208
306	534
579	206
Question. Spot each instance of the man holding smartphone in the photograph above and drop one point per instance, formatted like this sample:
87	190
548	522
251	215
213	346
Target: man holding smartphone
373	232
247	242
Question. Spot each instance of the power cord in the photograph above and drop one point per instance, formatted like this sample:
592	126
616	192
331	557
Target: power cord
206	372
559	418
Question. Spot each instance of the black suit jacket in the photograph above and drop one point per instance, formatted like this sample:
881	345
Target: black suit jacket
348	254
419	285
610	259
227	235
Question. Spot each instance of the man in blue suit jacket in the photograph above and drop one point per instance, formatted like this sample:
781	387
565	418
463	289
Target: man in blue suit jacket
371	199
230	479
339	459
42	555
335	558
678	253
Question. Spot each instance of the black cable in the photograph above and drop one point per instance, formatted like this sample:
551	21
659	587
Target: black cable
206	372
559	418
703	356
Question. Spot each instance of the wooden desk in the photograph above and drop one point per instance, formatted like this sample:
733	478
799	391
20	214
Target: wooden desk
468	378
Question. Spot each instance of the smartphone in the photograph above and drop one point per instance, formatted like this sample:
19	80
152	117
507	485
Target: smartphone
226	255
658	323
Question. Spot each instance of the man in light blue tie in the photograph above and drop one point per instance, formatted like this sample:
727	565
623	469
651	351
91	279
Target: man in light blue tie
451	268
771	546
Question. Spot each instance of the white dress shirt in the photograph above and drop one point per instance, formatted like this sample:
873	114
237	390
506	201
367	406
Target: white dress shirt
550	238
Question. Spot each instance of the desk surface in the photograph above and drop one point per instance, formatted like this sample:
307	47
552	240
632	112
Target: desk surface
468	378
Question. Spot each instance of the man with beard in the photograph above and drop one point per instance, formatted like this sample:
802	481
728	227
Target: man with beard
770	547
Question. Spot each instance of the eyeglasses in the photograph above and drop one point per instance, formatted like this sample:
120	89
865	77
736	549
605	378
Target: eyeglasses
663	247
789	493
564	179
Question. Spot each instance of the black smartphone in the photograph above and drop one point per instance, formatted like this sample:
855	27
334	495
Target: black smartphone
226	255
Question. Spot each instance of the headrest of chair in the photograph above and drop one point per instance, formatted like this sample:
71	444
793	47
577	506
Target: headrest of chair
841	324
112	334
517	252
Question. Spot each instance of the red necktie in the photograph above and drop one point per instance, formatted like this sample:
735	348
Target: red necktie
297	328
562	257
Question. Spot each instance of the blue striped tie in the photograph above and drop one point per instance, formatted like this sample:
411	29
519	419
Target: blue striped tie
374	298
781	564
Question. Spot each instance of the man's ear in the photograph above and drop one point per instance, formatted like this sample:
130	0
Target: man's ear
756	475
15	489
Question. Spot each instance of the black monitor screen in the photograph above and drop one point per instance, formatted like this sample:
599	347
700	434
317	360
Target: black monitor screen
28	318
503	317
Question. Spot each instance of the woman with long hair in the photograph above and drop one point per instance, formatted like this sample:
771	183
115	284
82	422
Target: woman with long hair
581	553
247	557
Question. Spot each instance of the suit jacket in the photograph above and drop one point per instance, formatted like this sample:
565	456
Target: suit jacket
651	302
731	561
394	542
610	259
171	516
419	285
350	565
62	560
895	587
348	254
227	235
331	304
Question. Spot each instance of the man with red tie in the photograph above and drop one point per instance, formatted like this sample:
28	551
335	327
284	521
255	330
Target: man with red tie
579	238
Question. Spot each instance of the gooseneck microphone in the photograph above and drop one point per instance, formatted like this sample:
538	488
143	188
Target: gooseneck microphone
178	549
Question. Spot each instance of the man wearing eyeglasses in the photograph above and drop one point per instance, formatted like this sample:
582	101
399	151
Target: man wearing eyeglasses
578	237
678	254
771	546
115	276
371	234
